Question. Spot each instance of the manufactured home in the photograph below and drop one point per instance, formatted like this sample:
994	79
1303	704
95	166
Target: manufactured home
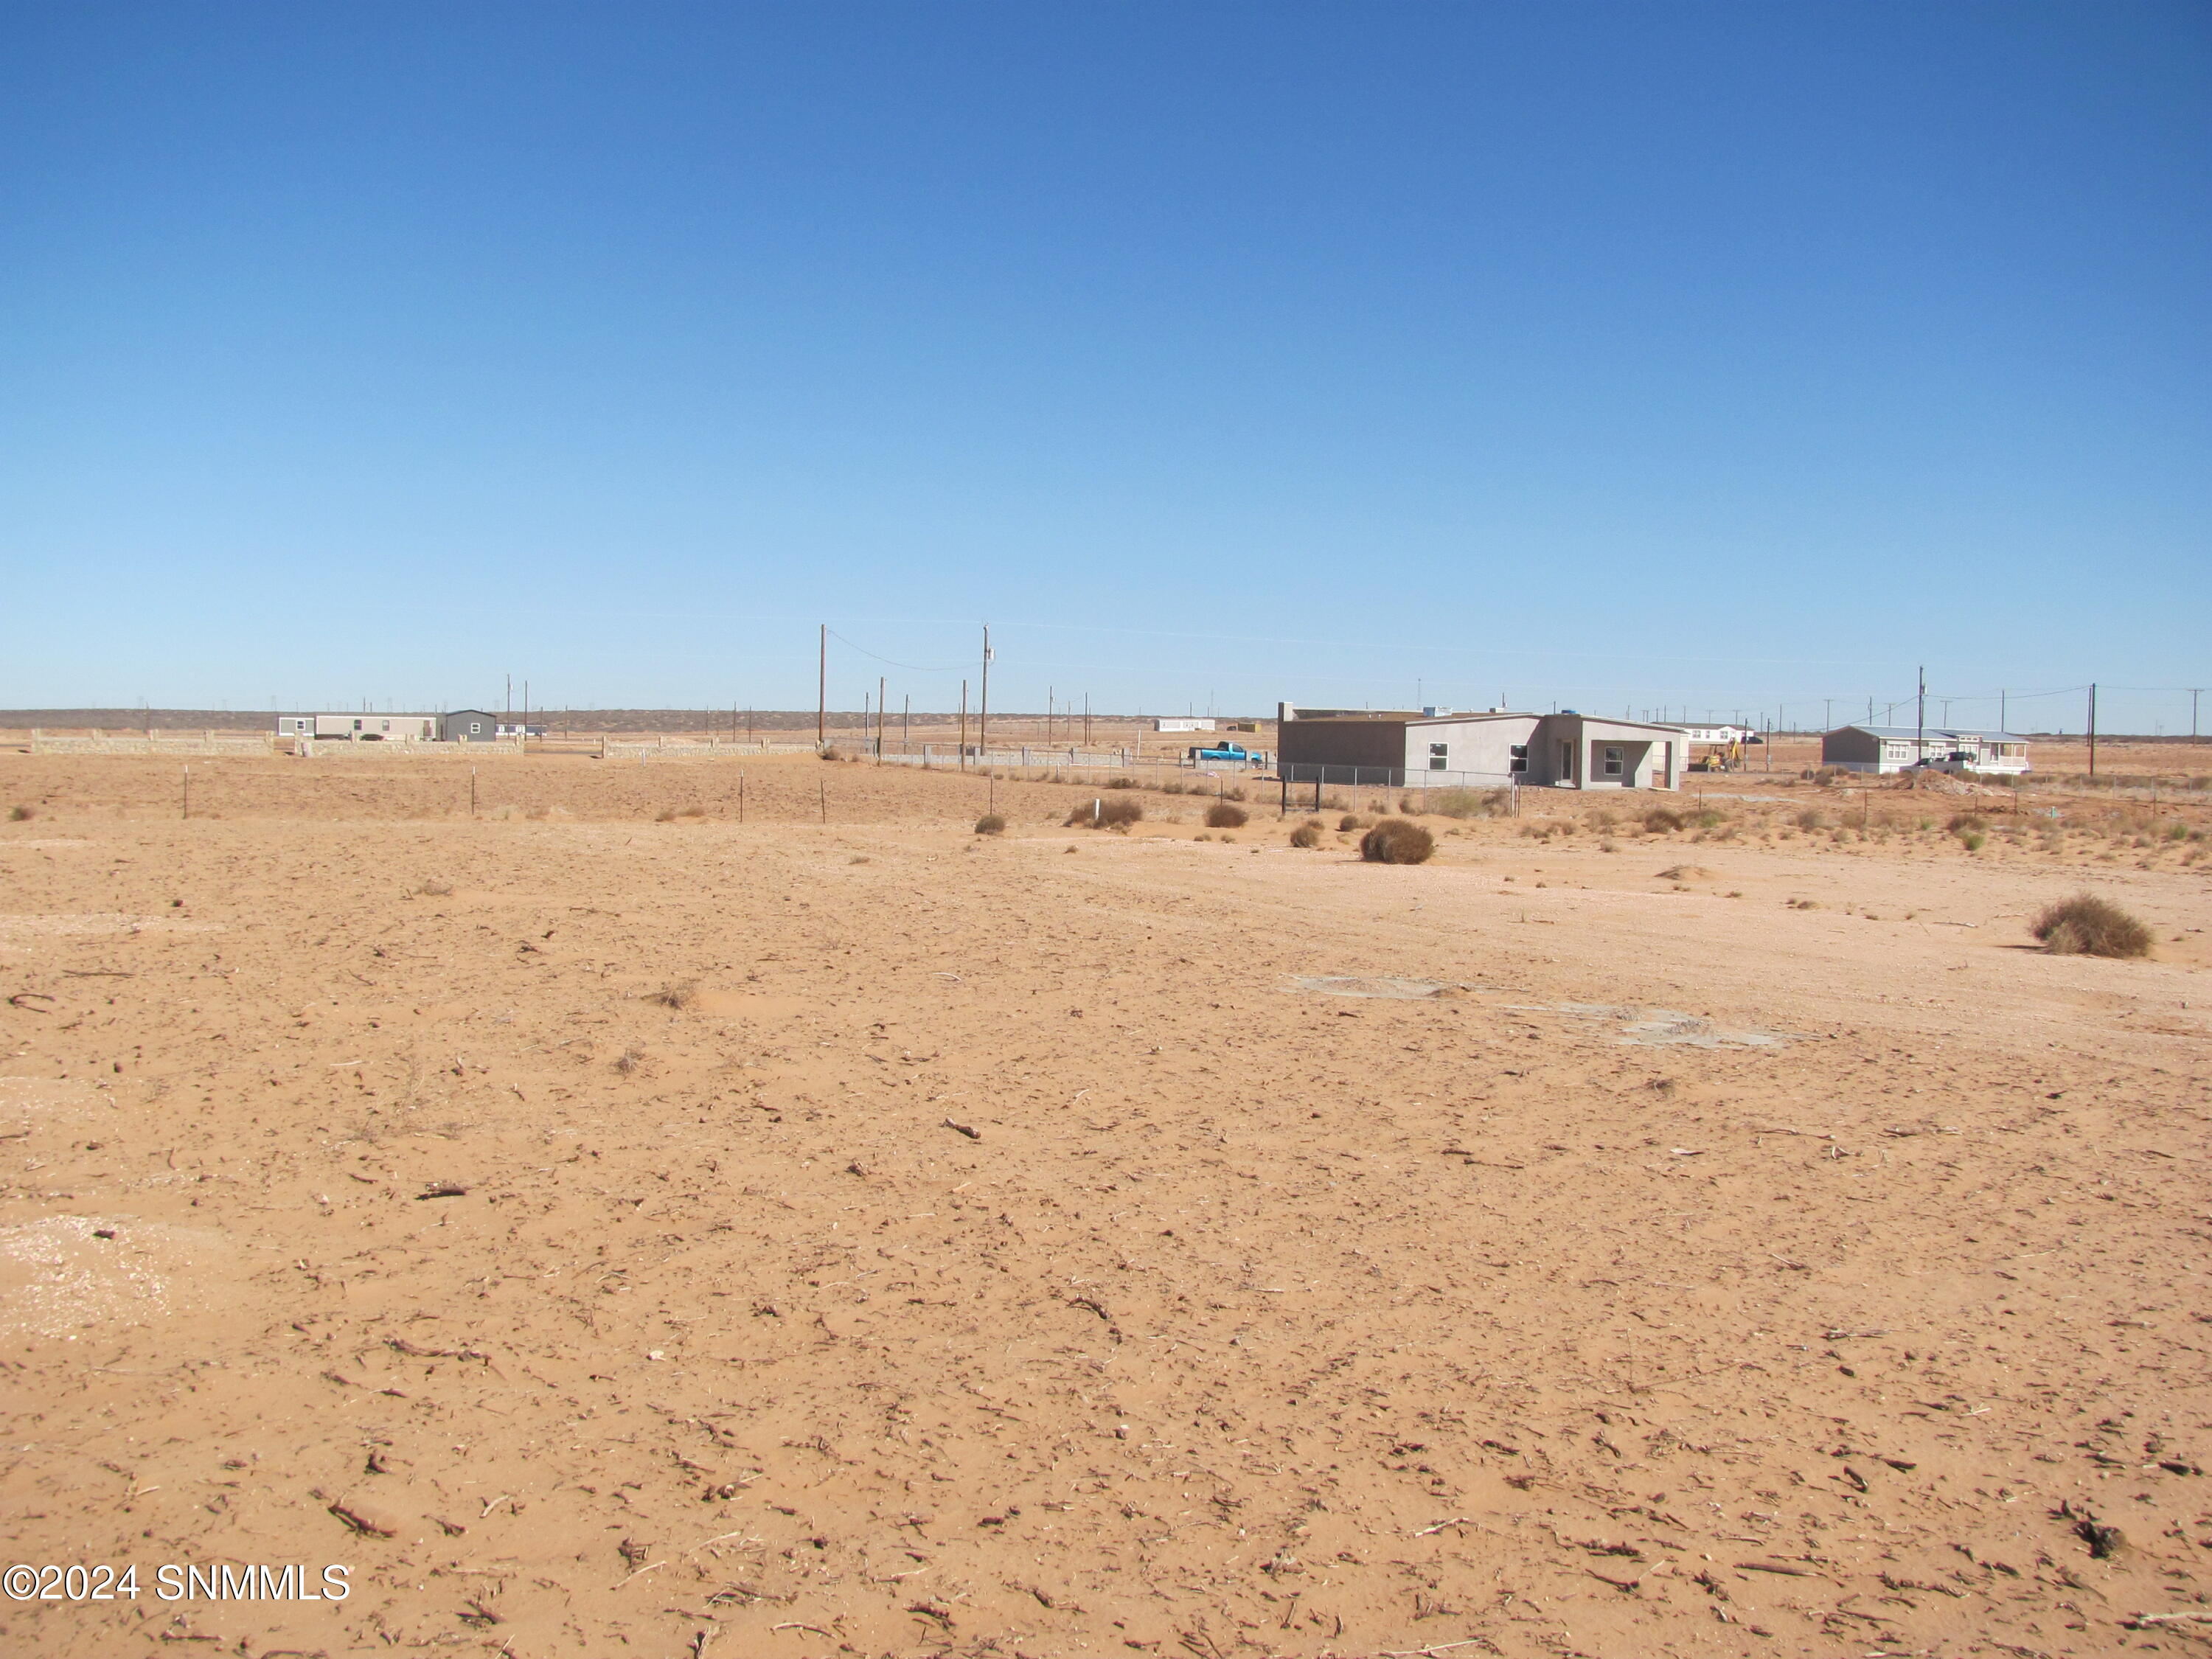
360	728
1406	749
1885	749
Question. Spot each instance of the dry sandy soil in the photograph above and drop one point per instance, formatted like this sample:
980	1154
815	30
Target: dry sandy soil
611	1235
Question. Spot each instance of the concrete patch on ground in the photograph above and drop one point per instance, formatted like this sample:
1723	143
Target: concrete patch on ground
63	1275
1661	1028
1356	985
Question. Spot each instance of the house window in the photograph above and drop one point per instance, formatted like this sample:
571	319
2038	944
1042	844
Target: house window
1520	758
476	728
1439	754
1612	760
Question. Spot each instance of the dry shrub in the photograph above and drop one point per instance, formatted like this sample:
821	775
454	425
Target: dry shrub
22	814
1686	872
1348	823
1473	803
1120	783
1222	816
435	889
990	824
1811	818
676	996
1306	836
1116	814
629	1060
2086	924
831	752
1966	823
665	815
1661	819
1709	817
1394	840
693	812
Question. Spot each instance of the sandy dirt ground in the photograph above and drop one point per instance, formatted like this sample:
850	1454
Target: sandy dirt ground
608	1235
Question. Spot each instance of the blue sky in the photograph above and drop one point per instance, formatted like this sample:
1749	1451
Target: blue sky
1702	355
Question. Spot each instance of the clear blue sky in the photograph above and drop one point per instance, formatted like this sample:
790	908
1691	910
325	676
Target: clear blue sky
1618	356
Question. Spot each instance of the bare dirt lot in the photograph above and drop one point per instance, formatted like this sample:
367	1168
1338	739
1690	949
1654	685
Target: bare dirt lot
607	1227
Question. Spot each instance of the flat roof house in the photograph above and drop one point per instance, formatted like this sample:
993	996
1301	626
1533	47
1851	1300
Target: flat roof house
1884	749
1401	749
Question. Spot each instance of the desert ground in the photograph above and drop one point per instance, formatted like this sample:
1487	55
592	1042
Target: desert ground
606	1226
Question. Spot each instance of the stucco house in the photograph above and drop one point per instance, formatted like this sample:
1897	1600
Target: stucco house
1405	749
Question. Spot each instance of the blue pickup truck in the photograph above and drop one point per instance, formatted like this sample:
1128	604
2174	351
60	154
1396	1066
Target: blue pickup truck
1226	752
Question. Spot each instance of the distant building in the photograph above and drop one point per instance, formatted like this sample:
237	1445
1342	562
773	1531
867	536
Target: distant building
1400	748
1722	734
468	725
1884	749
360	728
1182	724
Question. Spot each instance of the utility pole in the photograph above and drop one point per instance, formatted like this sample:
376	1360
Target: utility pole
510	699
1920	722
963	726
983	715
1827	714
2193	692
879	718
2092	728
1086	719
906	724
1048	716
822	693
2004	717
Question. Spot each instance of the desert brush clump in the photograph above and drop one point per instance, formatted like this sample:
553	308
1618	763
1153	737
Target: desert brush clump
1222	816
22	814
990	824
1811	818
1663	820
1306	835
1101	814
2086	926
1120	783
1396	840
1470	803
1348	823
676	996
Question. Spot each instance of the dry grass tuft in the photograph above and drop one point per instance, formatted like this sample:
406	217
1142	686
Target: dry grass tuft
831	752
1120	783
1686	872
22	814
1348	823
629	1060
675	996
1812	819
435	889
1662	819
2086	924
990	824
1306	836
1222	816
1394	840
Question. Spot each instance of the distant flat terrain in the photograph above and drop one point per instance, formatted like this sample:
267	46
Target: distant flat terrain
610	1226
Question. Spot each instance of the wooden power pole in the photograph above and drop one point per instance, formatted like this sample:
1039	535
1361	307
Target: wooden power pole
822	693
